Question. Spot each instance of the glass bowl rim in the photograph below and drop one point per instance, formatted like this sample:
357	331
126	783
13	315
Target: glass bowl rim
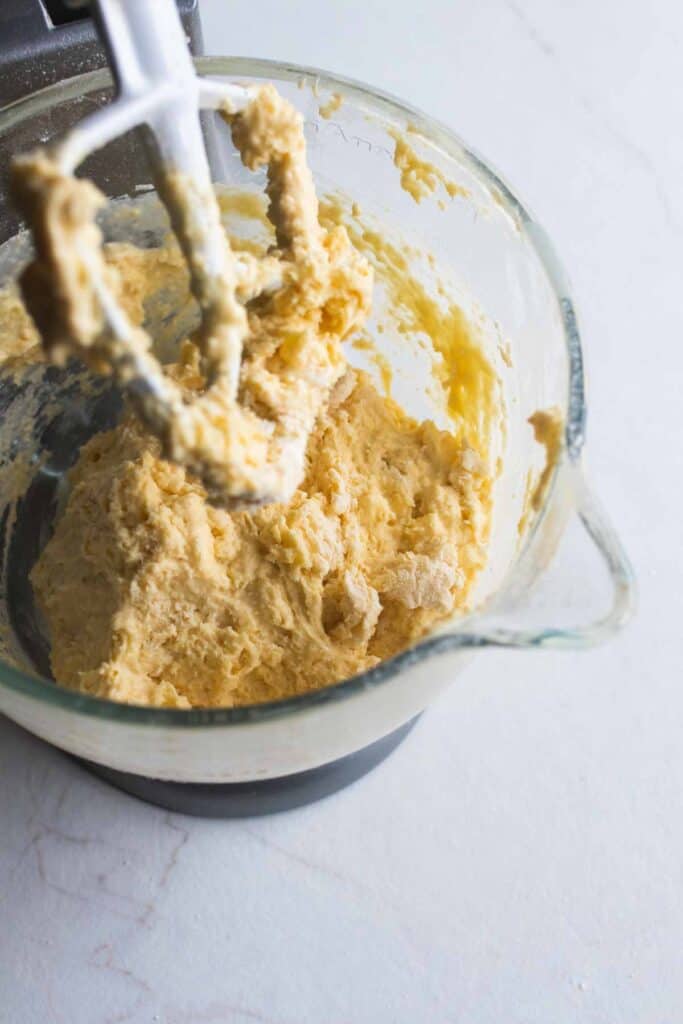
49	692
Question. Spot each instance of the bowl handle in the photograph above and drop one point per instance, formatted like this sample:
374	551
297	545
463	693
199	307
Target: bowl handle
622	578
490	627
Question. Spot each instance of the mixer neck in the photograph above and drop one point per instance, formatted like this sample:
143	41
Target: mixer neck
46	41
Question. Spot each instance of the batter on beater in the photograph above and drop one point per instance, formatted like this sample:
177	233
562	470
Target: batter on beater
268	375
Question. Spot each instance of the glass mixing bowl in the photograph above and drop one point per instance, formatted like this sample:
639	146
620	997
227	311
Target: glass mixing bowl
493	252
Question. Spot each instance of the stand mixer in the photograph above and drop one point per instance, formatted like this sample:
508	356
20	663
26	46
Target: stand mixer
250	760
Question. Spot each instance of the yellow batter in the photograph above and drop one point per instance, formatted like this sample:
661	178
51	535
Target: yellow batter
191	605
419	178
153	594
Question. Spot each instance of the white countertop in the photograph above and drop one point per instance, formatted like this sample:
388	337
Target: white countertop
518	859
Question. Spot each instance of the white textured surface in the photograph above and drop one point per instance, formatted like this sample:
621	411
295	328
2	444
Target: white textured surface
519	859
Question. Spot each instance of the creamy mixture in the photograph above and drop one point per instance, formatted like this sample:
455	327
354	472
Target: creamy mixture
190	604
194	605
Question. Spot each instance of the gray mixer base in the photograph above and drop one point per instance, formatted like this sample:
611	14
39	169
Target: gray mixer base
250	799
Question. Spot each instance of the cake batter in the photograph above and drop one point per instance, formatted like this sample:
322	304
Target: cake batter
191	605
155	595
